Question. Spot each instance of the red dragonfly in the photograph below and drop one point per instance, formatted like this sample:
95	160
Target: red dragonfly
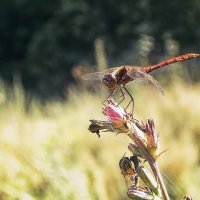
117	77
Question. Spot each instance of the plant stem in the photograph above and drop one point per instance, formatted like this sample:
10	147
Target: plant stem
152	162
160	179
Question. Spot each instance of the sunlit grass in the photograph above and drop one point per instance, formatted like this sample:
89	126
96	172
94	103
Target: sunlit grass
46	151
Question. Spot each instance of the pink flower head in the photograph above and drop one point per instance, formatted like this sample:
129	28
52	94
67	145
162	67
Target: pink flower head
115	114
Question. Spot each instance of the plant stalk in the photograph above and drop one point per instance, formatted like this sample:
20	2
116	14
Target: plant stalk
152	162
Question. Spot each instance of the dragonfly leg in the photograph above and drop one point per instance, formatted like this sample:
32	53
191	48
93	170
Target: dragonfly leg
131	101
109	96
123	95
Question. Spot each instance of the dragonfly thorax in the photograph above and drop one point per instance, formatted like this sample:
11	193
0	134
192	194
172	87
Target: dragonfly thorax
109	81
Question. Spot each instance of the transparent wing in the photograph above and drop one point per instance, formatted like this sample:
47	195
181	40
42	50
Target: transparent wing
140	74
154	82
93	76
98	75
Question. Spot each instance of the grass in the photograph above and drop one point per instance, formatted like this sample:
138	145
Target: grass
46	151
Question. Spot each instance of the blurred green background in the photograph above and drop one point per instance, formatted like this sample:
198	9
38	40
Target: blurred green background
46	151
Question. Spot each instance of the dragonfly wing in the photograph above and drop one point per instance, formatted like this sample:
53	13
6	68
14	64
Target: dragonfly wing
154	82
98	75
93	76
143	75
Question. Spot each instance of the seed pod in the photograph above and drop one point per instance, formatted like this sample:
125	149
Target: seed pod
148	180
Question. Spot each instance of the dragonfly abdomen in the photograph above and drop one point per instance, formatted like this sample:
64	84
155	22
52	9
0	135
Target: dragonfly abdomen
171	61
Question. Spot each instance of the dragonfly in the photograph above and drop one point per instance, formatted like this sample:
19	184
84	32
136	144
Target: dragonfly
117	77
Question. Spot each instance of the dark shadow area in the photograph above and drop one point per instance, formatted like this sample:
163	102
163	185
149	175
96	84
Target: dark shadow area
46	42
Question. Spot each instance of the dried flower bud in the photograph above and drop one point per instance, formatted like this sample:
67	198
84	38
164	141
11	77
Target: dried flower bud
148	180
140	194
97	125
152	138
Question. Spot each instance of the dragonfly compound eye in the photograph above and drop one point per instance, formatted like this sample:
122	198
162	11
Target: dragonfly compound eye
109	81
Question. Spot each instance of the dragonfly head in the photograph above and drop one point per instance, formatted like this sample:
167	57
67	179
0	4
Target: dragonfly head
109	81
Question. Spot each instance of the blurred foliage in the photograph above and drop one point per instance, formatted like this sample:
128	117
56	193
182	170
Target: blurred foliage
47	152
43	40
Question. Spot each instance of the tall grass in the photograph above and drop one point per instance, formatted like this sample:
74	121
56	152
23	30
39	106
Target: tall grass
46	151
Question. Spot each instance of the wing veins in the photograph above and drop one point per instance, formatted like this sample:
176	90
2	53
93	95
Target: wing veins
139	74
98	75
